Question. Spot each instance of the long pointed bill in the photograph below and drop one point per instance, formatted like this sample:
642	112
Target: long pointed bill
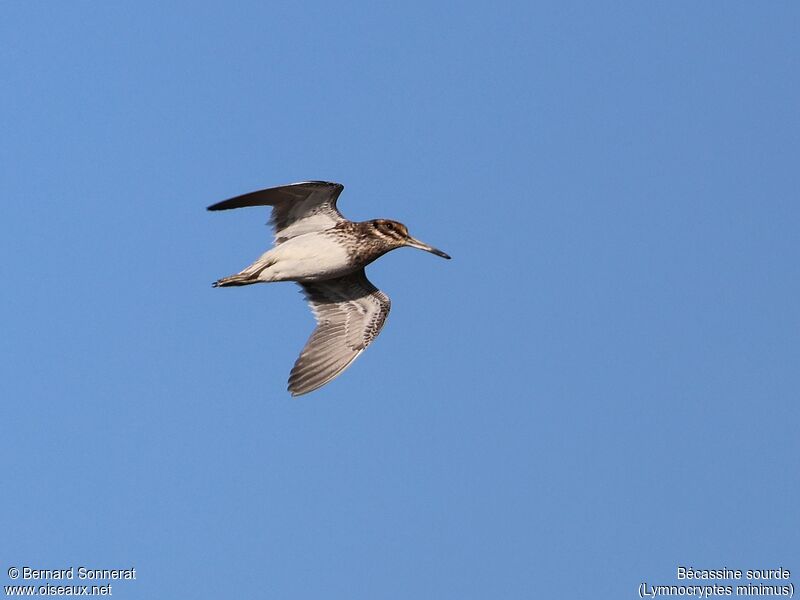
417	244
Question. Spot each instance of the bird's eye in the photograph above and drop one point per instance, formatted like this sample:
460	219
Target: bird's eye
390	226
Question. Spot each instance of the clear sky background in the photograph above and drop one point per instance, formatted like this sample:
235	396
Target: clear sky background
600	386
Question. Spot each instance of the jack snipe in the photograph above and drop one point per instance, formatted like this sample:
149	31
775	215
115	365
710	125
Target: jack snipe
325	253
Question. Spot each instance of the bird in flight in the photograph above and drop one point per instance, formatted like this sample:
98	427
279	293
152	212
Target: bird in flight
325	253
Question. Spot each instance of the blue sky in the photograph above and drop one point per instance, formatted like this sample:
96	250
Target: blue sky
600	386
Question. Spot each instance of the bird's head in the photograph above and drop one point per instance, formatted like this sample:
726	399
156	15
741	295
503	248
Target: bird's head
397	234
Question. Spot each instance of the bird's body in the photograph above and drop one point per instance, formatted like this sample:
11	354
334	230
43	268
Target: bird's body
340	250
307	257
318	248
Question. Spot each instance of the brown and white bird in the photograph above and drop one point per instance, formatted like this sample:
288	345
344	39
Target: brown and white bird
325	253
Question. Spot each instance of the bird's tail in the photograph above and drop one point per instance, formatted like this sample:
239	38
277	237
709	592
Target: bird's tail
238	279
251	274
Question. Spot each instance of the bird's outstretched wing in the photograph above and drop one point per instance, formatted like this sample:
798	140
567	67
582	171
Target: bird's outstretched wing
350	313
297	208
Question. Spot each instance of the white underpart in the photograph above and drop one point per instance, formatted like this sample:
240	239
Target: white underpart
308	257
